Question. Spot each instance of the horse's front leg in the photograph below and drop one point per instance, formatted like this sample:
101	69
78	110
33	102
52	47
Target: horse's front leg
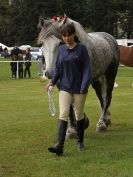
71	131
101	89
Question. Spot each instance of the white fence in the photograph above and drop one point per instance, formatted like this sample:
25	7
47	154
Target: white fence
40	65
125	42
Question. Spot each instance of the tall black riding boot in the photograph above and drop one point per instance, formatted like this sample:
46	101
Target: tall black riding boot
80	134
59	146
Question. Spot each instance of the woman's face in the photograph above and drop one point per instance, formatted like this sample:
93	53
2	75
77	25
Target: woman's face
68	38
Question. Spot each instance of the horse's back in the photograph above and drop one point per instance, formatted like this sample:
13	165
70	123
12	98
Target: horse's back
103	50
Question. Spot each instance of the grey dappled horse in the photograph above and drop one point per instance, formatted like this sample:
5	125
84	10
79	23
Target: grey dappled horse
104	55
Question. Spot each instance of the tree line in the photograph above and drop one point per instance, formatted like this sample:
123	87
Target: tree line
19	18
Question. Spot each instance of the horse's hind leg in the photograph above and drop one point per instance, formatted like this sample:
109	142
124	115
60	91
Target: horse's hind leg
110	80
105	95
71	131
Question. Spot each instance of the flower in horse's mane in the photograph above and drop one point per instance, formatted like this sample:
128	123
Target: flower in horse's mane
57	18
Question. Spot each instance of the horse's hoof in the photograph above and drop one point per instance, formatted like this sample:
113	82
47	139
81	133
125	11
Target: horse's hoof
101	126
71	133
108	122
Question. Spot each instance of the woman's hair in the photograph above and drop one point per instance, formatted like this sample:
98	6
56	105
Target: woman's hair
67	29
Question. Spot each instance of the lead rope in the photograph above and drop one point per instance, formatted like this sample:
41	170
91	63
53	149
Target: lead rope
51	103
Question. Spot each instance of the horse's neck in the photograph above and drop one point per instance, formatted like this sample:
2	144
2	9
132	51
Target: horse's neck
83	37
81	34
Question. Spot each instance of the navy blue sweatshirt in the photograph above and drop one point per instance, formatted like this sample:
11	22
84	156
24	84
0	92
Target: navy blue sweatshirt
73	69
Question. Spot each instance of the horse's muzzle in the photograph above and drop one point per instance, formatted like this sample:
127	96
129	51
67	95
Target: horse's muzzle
48	74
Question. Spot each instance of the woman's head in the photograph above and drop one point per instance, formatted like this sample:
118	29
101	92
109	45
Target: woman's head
68	33
67	29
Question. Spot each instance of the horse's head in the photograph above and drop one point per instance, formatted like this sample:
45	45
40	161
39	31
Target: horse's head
50	38
49	48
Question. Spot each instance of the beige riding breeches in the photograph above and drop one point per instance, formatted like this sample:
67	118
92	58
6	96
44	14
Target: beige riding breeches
78	102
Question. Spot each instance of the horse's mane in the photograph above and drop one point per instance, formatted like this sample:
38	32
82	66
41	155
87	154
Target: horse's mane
80	32
50	27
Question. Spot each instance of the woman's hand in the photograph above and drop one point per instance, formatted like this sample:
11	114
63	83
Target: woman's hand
49	87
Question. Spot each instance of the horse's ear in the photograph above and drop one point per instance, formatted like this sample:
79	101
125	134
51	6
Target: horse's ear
63	21
41	22
47	23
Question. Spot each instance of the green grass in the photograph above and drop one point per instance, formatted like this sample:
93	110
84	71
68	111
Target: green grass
27	130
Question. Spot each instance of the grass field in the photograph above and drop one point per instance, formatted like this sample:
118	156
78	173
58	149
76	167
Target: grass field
27	130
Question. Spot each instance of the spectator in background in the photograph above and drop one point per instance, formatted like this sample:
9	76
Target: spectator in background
15	54
27	63
14	66
16	51
20	66
43	59
1	51
43	62
5	52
